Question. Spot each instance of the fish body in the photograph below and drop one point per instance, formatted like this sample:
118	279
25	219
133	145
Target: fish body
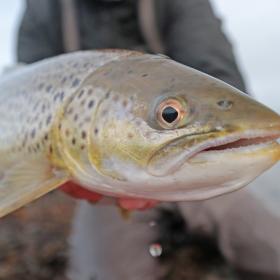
128	124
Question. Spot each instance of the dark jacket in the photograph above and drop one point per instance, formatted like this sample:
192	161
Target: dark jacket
189	30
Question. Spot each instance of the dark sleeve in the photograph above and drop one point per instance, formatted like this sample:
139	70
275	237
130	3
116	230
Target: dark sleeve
38	35
193	36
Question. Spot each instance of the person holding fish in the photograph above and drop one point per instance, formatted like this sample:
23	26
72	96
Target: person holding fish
161	132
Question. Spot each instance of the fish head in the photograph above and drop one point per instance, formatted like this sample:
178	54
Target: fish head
168	132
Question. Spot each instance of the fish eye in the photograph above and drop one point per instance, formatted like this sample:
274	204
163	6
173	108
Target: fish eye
169	113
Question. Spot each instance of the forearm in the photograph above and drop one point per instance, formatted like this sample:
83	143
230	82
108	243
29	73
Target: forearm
194	36
36	39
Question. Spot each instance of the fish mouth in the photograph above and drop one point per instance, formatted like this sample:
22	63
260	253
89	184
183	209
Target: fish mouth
238	143
170	161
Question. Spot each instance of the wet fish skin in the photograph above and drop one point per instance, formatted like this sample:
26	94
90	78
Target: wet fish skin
93	118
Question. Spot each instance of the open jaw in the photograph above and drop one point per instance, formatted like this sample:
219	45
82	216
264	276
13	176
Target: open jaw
171	160
216	166
246	142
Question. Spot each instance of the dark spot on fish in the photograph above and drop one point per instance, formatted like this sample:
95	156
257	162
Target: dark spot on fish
51	149
24	140
81	94
59	126
90	104
71	98
209	116
129	71
38	146
70	111
76	117
73	141
64	80
67	133
87	119
46	137
144	75
229	128
49	118
124	103
107	94
71	76
40	87
56	96
82	147
62	96
23	144
35	118
192	110
76	82
225	104
130	135
49	88
36	105
33	133
96	131
84	134
43	108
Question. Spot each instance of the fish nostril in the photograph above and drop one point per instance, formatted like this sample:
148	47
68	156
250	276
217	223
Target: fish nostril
225	104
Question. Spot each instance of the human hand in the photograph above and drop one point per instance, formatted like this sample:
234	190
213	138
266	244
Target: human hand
126	203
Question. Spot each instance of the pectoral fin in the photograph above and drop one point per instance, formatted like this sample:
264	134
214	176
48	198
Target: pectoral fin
27	181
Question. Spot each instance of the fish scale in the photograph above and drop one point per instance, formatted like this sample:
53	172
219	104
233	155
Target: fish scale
32	100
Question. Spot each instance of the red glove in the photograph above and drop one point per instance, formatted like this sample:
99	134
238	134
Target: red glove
79	192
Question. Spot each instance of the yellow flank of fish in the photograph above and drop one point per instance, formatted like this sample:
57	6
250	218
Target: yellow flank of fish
128	124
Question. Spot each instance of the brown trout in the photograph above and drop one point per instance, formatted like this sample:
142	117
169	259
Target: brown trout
128	124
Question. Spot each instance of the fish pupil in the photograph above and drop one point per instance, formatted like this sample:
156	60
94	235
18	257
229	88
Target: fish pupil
170	114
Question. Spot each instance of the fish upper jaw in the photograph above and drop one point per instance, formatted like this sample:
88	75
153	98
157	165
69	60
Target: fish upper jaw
164	163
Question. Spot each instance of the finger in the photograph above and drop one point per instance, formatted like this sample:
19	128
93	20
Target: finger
136	204
79	192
